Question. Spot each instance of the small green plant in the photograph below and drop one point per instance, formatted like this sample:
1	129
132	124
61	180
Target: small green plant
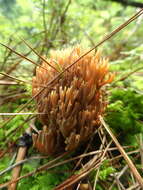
105	170
124	113
46	180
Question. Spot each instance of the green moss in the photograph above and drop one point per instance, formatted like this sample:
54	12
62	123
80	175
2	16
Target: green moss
125	113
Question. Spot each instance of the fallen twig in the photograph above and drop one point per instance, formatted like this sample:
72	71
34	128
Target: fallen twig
16	171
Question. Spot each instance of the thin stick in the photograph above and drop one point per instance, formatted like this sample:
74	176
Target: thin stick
125	156
39	55
127	75
17	170
26	58
4	82
14	78
96	178
11	114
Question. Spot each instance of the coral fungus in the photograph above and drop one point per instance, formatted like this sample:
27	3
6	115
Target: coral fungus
73	102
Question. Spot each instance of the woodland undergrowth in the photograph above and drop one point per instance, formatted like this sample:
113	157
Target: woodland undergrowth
99	163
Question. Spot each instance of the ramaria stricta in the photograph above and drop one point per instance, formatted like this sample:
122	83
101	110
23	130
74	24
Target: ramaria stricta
73	103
